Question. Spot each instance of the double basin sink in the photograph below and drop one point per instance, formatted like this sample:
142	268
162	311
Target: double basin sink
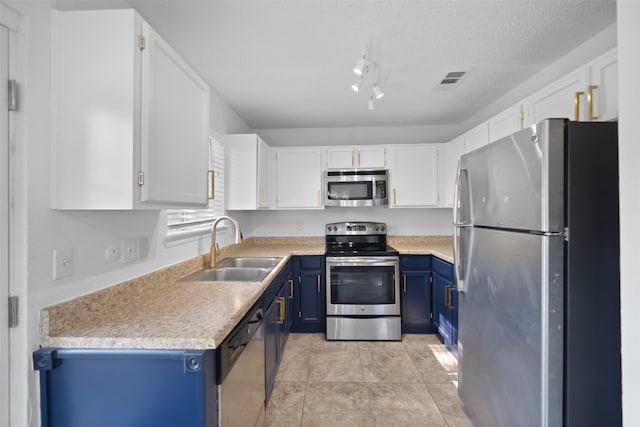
236	269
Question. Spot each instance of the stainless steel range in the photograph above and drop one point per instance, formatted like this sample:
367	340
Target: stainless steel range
363	285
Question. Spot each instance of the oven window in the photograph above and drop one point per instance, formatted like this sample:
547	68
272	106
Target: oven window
360	190
362	285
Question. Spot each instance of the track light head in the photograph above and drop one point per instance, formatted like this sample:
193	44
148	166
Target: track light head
360	65
377	92
357	85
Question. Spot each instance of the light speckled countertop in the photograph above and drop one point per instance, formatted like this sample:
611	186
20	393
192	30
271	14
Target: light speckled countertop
157	311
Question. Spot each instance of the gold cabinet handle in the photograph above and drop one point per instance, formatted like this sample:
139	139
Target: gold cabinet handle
450	295
394	196
282	314
590	102
576	100
404	283
359	158
446	295
290	288
212	178
352	154
318	283
319	201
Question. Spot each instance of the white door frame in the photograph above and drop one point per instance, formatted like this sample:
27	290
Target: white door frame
4	227
11	404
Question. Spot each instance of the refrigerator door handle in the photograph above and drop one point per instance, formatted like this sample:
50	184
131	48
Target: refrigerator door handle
456	196
460	281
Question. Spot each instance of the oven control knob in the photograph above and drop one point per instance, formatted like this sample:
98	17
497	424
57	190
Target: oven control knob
335	228
382	228
328	228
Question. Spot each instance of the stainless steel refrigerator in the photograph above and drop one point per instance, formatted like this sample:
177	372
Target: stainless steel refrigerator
537	265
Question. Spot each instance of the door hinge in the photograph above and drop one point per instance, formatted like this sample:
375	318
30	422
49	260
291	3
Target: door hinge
13	312
140	178
141	42
13	96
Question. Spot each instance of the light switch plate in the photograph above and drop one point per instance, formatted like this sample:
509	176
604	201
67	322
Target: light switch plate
129	250
62	263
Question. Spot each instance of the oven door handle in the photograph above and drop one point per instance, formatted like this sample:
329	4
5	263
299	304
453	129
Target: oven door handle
373	261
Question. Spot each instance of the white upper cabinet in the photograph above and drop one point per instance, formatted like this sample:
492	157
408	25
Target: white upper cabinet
130	119
476	137
506	123
413	175
563	99
355	157
602	93
452	152
248	169
299	178
587	94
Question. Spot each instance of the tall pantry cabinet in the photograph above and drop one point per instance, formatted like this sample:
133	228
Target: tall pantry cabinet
130	118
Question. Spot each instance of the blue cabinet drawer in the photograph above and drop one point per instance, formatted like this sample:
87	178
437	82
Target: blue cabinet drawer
443	268
415	262
311	262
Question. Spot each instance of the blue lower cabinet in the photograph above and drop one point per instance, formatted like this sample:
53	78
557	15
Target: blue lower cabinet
113	387
415	293
309	297
276	330
445	303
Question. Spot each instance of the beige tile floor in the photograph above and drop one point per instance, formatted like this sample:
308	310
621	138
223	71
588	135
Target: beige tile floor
349	383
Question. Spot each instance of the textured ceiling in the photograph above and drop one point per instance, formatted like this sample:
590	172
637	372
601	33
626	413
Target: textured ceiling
288	64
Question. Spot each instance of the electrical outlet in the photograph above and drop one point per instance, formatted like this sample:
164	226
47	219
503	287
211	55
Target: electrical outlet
129	250
62	263
112	253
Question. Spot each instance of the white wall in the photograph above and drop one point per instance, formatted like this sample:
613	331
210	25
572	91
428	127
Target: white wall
39	230
409	221
629	70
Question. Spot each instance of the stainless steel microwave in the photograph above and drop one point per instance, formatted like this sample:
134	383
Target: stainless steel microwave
356	187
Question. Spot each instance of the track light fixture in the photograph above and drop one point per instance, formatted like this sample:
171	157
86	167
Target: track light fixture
359	69
364	67
377	92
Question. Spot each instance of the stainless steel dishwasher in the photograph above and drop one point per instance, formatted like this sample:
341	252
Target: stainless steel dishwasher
241	389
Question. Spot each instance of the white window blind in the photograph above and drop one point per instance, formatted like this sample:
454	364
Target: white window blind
191	222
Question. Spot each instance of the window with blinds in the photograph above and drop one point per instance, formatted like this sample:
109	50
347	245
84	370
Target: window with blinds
183	223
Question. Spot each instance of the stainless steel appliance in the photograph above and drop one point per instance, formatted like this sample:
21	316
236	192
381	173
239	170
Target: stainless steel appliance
356	187
241	373
363	285
536	255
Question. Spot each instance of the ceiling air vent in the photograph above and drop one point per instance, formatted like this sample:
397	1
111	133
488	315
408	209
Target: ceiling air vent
452	80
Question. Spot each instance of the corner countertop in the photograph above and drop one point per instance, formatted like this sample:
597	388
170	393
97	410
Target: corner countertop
157	311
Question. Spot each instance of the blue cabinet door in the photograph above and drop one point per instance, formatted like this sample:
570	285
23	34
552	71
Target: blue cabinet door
445	303
309	295
416	301
415	293
114	387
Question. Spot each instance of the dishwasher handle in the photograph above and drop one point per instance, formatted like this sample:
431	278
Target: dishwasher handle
233	346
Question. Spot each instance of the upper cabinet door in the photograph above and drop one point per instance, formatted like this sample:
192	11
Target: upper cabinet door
355	157
452	152
602	93
566	98
414	175
130	135
175	124
476	137
299	178
370	157
506	123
